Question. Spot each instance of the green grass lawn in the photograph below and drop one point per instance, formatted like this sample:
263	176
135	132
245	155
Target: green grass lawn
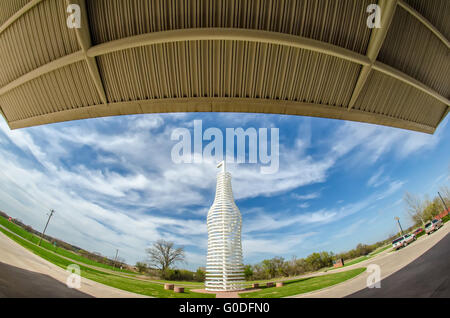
380	250
351	262
356	260
128	284
61	251
304	285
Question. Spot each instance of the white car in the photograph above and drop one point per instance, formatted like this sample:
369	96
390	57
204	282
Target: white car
432	226
398	243
408	239
402	241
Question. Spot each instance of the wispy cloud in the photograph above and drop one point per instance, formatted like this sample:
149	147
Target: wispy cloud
377	178
309	196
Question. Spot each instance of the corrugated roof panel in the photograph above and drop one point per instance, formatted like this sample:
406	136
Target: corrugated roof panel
435	11
34	40
9	8
341	23
387	96
251	70
417	52
66	88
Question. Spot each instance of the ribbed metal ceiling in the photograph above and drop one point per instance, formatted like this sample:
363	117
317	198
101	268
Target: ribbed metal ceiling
300	57
341	23
414	50
435	11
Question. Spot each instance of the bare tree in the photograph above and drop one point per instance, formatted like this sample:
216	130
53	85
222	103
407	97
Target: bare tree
163	254
414	207
445	193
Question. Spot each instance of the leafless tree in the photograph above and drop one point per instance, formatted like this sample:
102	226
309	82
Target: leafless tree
414	207
445	193
163	254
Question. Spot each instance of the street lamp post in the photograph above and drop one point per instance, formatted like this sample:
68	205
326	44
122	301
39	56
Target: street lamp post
399	225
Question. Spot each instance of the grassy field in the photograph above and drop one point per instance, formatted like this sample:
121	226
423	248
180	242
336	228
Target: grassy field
304	285
61	251
128	284
356	260
380	250
351	262
361	258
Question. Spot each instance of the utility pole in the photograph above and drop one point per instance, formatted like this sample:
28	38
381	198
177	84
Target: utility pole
445	205
49	217
115	258
399	226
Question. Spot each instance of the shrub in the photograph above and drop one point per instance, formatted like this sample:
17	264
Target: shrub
248	272
177	274
141	267
200	275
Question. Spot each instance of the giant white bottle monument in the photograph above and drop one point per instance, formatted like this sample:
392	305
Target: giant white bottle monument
224	268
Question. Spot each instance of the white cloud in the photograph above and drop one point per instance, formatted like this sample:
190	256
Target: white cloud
372	141
309	196
377	178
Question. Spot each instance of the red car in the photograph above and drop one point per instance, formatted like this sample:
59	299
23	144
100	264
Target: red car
417	231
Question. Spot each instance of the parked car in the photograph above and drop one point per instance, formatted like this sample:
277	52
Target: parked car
398	243
408	238
402	241
417	231
432	226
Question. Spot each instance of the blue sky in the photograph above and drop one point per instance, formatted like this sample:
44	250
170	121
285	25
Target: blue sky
113	184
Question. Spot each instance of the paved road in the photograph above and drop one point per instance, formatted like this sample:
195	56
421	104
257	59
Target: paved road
17	282
24	274
412	267
427	276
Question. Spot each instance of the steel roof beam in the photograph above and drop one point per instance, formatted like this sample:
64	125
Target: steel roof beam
220	104
44	69
227	34
387	8
399	75
84	40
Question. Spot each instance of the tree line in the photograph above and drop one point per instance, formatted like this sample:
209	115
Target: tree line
163	255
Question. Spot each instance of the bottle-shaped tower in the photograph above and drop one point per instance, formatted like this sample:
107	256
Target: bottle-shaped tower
224	268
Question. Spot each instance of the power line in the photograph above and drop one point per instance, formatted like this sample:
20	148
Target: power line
115	258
